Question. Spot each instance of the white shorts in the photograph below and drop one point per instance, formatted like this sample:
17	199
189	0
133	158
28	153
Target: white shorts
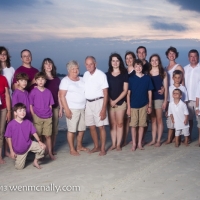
184	132
77	122
92	112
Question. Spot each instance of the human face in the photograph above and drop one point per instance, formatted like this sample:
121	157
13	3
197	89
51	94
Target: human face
48	66
74	71
141	54
194	59
176	95
22	83
3	56
177	78
90	65
171	56
138	68
129	60
20	113
40	82
26	57
154	61
115	62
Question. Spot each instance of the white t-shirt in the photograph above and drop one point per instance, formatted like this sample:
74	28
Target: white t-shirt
9	74
75	96
94	84
192	78
178	111
182	88
198	94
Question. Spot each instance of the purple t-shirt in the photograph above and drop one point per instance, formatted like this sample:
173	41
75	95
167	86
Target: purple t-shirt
41	102
53	86
19	96
20	134
30	72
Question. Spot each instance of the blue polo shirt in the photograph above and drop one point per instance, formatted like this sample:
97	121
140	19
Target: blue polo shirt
139	87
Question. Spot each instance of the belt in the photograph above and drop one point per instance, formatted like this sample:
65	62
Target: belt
91	100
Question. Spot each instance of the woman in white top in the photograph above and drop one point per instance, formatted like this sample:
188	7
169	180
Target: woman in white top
7	70
72	96
172	54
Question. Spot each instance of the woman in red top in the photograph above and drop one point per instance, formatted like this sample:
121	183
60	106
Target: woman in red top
5	110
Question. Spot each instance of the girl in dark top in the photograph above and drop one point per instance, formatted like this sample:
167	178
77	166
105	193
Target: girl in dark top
129	59
52	84
159	79
118	86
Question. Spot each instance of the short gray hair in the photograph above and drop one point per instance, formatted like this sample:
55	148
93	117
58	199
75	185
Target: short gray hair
71	64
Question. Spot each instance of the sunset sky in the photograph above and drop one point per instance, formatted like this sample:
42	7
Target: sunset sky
64	30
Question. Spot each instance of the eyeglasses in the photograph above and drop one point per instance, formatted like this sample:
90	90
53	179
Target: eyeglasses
3	54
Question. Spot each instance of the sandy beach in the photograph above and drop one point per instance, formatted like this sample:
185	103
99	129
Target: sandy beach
154	173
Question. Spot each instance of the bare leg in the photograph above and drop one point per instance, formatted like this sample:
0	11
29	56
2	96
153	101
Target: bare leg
145	131
186	141
79	142
70	139
103	140
133	133
113	129
159	126
140	136
177	141
126	130
154	128
1	159
170	136
94	136
49	147
35	163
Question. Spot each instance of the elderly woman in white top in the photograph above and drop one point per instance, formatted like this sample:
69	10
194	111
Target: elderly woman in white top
71	93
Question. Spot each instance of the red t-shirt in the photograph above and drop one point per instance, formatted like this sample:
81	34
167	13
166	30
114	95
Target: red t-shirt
3	85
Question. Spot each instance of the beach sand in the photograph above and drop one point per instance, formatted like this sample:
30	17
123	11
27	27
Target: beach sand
154	173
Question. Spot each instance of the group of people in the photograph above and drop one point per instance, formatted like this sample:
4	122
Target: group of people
125	96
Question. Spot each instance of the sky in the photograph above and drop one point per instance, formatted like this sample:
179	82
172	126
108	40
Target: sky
67	30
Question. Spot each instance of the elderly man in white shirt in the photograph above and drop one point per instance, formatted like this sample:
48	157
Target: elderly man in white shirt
96	93
192	78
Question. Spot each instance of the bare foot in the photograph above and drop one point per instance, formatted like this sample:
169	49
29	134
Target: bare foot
2	161
94	150
198	145
140	147
52	157
102	153
112	148
186	144
54	153
118	148
133	148
83	149
35	164
167	142
74	153
151	143
158	144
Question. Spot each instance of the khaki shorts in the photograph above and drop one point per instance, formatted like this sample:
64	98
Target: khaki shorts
191	108
184	132
157	104
118	107
138	117
170	124
77	122
43	126
198	121
55	120
92	112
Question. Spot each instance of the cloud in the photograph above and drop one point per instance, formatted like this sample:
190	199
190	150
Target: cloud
169	26
192	5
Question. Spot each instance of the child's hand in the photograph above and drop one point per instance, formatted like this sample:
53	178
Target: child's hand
128	112
164	105
42	145
186	121
13	155
149	110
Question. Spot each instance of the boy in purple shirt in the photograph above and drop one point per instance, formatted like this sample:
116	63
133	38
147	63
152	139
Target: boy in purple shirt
20	95
18	134
41	101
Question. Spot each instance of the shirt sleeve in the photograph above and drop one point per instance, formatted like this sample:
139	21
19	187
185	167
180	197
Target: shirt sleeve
151	87
63	84
51	98
126	78
14	99
185	109
31	97
104	81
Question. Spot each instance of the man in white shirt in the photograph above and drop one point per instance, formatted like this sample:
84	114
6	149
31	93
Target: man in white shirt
192	78
96	93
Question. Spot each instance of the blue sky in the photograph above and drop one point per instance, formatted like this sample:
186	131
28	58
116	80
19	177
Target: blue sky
64	30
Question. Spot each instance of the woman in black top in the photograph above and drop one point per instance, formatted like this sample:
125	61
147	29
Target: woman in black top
118	87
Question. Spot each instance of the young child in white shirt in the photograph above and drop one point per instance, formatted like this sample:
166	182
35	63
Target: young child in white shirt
179	115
